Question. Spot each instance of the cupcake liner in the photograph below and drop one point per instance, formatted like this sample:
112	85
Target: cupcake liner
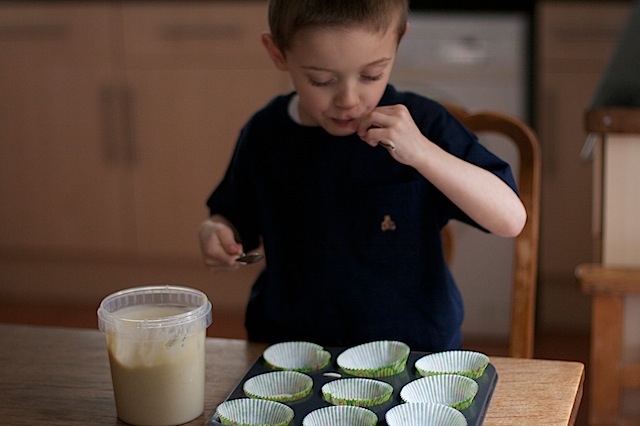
375	359
450	389
424	414
297	356
341	415
357	391
282	386
465	363
254	412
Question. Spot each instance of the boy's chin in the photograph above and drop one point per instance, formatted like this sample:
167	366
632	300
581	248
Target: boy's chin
339	129
340	133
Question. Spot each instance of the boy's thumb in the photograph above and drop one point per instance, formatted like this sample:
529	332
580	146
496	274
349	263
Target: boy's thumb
229	241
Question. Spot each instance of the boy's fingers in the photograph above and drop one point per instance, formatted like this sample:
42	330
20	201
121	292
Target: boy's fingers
228	241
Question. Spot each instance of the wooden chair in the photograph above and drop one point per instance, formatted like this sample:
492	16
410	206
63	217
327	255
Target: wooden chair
523	297
610	372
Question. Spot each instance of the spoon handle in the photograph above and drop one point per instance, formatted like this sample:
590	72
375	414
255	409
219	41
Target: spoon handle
388	144
247	259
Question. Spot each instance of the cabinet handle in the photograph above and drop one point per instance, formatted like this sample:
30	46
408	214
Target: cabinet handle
200	32
591	33
109	115
548	146
118	138
130	146
33	32
586	154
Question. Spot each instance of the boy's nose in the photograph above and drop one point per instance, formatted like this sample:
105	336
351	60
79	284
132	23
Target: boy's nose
347	98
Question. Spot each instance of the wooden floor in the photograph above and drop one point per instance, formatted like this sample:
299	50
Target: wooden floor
561	346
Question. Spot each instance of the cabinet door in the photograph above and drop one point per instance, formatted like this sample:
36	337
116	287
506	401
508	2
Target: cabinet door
567	206
196	74
575	42
59	185
187	123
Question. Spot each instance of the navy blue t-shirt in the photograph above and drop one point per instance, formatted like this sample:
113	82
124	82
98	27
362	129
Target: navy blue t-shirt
352	237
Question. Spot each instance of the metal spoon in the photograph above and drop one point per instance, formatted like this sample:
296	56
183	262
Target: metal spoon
388	144
247	259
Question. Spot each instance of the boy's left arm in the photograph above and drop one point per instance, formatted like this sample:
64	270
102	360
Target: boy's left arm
483	196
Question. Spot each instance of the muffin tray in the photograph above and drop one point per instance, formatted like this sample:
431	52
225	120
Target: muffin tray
474	414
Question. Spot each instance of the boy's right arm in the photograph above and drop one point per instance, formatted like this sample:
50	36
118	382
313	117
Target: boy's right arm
218	244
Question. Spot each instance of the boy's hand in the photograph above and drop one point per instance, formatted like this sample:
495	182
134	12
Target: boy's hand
393	127
487	199
218	244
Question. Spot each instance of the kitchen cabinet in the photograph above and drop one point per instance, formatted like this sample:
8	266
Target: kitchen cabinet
574	43
59	188
117	119
197	73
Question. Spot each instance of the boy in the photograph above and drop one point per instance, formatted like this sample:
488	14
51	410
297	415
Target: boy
347	183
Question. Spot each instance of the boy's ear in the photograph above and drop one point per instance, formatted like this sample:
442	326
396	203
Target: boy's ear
275	54
406	29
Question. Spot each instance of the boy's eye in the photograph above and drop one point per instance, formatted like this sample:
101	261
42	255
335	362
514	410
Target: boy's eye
320	83
372	77
324	83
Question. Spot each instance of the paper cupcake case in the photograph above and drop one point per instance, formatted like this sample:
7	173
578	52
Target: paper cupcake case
302	357
357	391
424	414
474	414
375	359
341	415
465	363
449	389
280	386
254	412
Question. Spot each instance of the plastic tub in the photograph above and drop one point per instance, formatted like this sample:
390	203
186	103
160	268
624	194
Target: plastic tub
156	342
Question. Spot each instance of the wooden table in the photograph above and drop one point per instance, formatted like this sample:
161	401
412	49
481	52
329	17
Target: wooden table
61	376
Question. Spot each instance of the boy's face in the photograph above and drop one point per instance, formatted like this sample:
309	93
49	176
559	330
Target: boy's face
339	74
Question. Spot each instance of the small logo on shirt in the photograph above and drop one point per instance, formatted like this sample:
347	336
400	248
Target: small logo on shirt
387	224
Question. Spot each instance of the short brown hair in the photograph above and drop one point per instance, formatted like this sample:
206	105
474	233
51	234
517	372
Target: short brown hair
287	17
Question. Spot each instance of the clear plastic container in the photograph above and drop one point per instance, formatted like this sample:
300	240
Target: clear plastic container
156	342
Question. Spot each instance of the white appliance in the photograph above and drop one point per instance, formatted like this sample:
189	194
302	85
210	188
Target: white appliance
478	61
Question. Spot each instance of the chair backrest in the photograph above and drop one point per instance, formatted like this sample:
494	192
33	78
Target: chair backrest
523	294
